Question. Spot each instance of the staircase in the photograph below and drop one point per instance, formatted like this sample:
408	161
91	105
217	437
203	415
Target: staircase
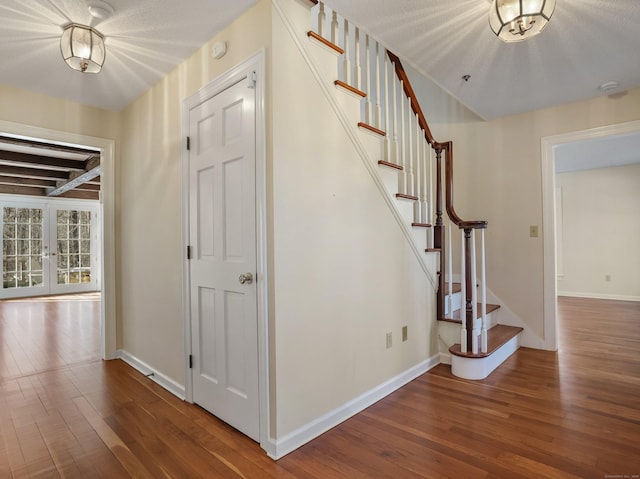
417	172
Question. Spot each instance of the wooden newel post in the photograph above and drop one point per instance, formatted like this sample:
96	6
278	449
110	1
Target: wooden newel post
469	284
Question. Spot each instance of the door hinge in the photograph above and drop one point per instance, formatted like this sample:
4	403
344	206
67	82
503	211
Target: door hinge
188	143
191	361
253	78
188	252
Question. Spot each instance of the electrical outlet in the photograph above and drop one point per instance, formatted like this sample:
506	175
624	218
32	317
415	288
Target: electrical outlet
533	231
405	333
389	340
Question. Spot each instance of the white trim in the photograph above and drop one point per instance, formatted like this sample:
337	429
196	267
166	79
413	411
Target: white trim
157	377
480	368
256	63
281	447
352	131
548	215
107	202
615	297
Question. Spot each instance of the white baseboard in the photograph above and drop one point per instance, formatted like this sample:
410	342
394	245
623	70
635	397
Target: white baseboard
278	448
615	297
156	376
445	358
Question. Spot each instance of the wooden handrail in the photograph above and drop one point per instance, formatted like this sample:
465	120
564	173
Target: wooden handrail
447	147
408	90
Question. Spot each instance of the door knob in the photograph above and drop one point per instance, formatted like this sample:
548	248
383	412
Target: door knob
245	278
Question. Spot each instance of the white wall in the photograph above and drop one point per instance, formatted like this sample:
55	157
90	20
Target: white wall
151	325
343	273
601	227
498	178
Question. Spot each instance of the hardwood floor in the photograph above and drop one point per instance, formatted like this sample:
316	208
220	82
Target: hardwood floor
572	414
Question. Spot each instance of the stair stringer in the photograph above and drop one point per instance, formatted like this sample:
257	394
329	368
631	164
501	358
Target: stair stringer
325	74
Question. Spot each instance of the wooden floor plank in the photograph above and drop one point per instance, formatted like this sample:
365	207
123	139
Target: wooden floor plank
568	414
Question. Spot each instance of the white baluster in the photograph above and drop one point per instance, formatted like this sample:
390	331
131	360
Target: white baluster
366	79
378	76
425	178
463	305
394	112
418	204
450	271
372	87
409	150
474	294
357	68
402	178
388	108
344	69
483	273
315	17
322	21
334	28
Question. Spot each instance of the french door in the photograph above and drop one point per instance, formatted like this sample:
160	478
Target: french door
48	248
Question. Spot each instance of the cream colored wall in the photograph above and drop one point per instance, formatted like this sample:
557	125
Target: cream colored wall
343	273
150	252
498	178
35	109
601	227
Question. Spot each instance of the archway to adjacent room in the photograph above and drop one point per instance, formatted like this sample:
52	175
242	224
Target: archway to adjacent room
104	208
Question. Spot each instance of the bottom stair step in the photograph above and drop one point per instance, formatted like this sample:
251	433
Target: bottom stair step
496	337
502	342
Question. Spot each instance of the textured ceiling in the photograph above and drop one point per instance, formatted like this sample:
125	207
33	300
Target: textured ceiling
145	40
587	43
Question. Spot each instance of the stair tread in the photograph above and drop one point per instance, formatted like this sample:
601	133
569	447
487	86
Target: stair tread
457	287
371	128
350	88
455	317
432	250
421	225
496	337
407	197
325	42
390	165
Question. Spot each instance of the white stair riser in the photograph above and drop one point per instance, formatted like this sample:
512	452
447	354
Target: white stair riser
449	332
456	300
480	368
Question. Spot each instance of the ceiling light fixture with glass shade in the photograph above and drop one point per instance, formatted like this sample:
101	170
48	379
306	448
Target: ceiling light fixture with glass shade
82	48
519	20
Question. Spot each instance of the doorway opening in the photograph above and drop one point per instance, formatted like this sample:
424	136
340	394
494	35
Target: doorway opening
67	224
550	147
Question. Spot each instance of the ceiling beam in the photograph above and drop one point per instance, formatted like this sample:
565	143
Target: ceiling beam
47	146
77	178
17	157
17	180
82	195
35	172
21	190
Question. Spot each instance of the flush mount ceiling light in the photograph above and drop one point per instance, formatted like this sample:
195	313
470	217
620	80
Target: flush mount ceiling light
518	20
82	48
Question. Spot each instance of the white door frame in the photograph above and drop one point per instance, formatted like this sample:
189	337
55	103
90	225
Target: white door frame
244	69
550	289
107	205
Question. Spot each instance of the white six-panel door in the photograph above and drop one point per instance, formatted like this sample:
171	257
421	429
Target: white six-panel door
222	269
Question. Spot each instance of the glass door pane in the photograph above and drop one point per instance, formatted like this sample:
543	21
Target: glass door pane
24	268
75	265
